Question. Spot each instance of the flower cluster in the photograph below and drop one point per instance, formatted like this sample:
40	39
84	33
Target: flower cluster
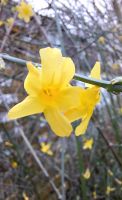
49	91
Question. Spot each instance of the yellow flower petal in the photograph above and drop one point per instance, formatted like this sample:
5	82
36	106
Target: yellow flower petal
51	65
68	71
92	96
88	103
58	122
59	70
95	73
81	129
69	98
33	82
30	105
73	114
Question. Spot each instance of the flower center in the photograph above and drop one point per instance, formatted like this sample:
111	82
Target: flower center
26	11
49	96
48	92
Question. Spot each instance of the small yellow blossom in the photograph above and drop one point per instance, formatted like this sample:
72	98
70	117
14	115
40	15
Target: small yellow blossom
49	91
25	11
109	190
45	148
88	99
120	111
101	40
14	164
110	172
8	144
94	195
87	174
25	197
1	22
10	21
3	2
88	143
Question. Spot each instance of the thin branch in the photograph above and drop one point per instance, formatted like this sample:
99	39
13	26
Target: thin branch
110	147
115	88
8	33
62	168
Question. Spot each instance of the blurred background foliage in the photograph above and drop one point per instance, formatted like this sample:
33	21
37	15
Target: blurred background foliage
87	32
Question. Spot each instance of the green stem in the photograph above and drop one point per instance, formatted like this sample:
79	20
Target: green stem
62	168
81	168
101	83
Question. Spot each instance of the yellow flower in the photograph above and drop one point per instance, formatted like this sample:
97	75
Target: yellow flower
88	99
101	40
8	144
1	22
10	21
14	164
4	2
88	144
49	91
87	174
110	172
94	195
109	190
25	196
45	148
25	11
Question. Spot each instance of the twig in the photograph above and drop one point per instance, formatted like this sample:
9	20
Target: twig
42	30
8	33
101	83
62	167
110	147
59	29
81	168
